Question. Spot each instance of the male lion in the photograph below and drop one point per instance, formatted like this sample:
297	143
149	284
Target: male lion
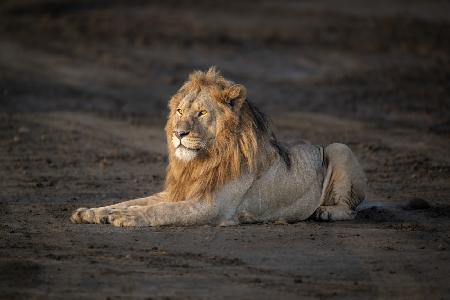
226	167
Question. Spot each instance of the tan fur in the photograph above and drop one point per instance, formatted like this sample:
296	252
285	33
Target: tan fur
226	167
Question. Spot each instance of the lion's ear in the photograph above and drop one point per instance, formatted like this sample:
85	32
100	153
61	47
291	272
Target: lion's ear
235	95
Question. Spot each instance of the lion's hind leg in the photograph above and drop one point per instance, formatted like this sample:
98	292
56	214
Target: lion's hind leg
344	185
334	213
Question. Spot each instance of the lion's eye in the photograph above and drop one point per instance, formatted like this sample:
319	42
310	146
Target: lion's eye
202	112
179	111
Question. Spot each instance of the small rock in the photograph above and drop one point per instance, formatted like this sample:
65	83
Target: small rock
24	130
416	203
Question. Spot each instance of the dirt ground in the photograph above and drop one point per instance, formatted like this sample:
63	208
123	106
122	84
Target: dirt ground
83	93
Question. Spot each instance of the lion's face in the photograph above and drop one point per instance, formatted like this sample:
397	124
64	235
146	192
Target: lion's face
202	112
194	125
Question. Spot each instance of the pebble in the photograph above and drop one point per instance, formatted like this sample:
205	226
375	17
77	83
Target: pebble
24	130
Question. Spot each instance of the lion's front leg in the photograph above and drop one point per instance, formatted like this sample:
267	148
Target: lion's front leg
99	214
184	213
126	217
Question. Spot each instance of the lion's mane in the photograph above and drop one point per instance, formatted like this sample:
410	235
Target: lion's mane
245	143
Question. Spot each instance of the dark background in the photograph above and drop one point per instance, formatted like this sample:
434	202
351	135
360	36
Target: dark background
84	87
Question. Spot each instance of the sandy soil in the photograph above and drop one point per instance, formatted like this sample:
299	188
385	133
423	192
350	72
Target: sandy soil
83	93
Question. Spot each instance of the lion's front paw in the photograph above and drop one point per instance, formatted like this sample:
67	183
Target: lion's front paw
82	215
124	219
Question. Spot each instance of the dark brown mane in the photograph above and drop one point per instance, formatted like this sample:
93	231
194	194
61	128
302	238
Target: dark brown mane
263	126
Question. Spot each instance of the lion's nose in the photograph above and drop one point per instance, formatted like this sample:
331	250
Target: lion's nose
180	133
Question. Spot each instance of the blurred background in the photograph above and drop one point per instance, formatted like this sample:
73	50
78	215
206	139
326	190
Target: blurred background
383	60
84	87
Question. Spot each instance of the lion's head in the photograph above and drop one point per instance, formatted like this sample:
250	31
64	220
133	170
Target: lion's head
214	135
200	111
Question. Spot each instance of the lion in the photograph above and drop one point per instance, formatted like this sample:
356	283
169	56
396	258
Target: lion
226	167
